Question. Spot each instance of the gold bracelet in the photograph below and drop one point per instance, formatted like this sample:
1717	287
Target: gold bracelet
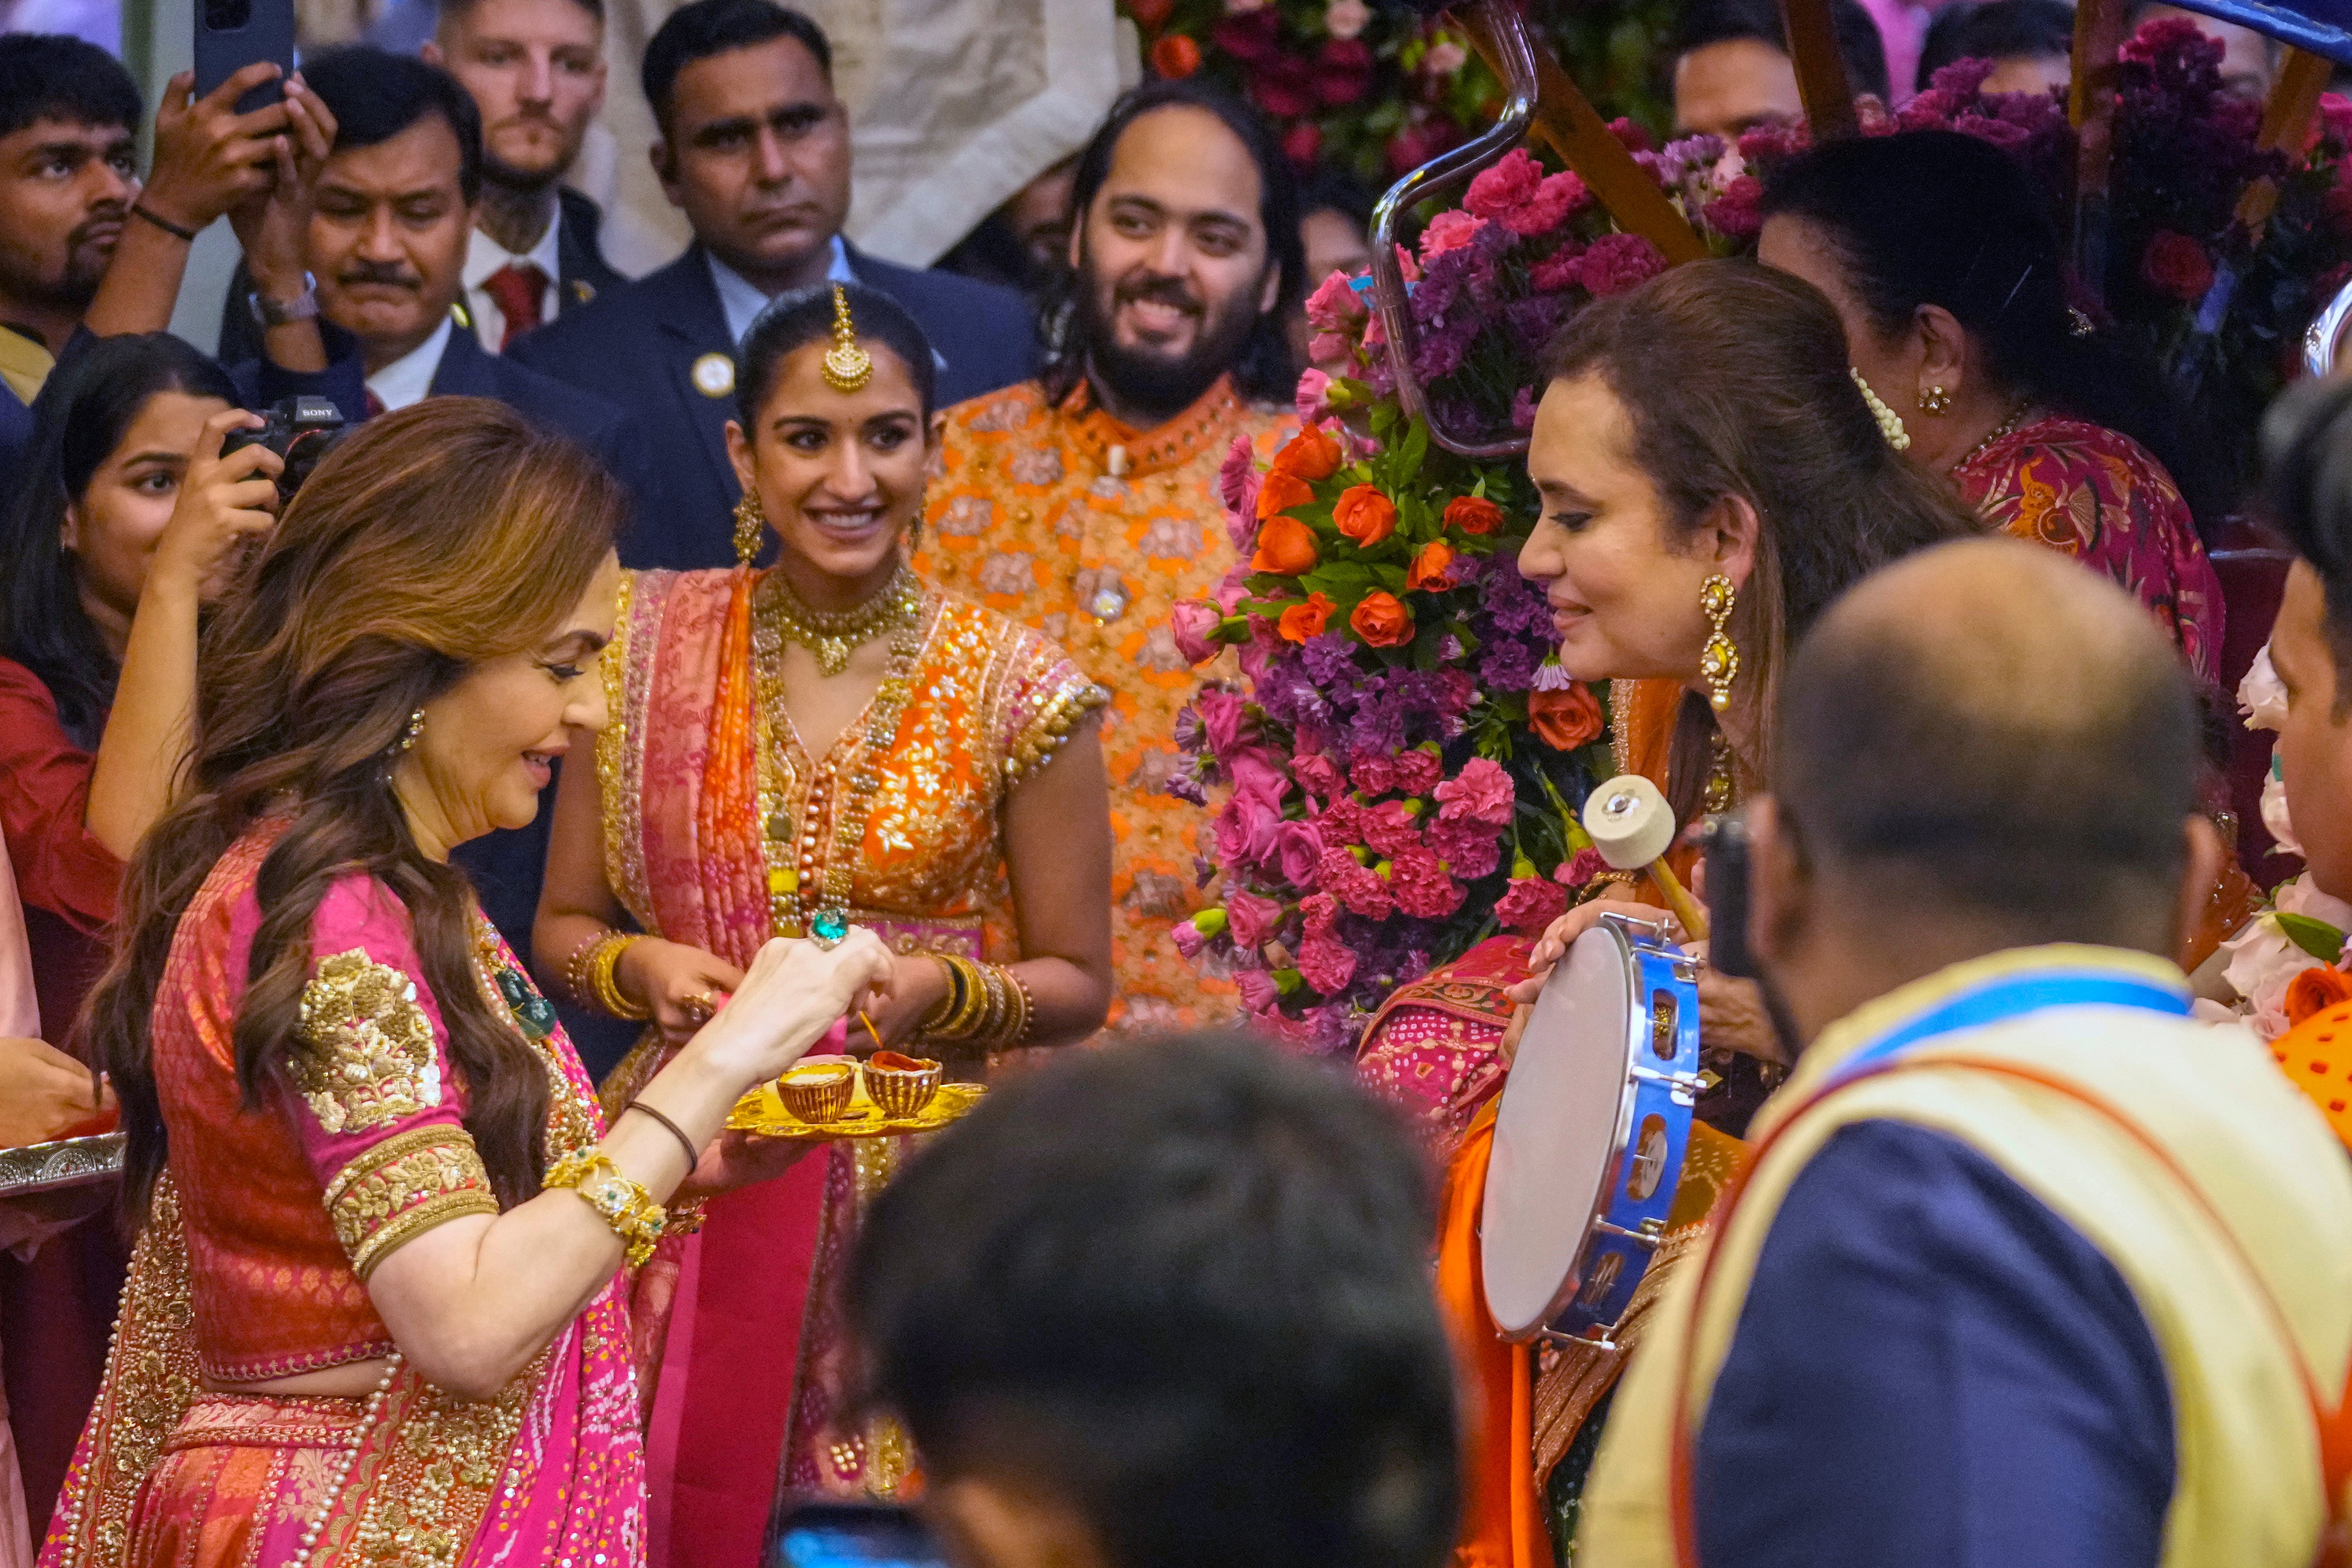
1018	1033
575	968
604	984
625	1205
969	1001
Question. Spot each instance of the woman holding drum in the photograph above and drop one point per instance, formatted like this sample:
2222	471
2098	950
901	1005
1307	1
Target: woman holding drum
1709	472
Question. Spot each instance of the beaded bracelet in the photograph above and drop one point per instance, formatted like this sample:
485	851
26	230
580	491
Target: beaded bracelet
624	1205
591	975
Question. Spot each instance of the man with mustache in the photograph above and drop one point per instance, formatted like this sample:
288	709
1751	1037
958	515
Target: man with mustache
390	215
1086	502
754	151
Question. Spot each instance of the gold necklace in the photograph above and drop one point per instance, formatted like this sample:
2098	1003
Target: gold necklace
2016	417
804	896
834	635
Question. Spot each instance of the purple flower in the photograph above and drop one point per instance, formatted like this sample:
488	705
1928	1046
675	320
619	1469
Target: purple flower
1507	665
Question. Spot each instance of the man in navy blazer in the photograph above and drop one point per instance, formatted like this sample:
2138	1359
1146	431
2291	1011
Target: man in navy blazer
755	150
392	213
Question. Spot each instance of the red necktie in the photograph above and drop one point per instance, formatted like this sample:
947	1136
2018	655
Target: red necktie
517	286
374	403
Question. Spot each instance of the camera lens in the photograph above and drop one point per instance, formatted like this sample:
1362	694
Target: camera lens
227	15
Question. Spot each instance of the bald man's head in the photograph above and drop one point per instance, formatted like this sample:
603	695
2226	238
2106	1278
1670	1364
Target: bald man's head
1987	730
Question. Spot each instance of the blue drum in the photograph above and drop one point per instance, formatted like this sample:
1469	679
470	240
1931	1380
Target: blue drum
1590	1137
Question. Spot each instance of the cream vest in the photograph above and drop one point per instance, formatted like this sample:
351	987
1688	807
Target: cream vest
2248	1488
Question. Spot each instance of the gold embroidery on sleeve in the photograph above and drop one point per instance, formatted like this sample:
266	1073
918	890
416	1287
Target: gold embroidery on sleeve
1061	712
371	1058
399	1189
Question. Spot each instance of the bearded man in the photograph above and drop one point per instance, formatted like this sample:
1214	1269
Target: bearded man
1085	502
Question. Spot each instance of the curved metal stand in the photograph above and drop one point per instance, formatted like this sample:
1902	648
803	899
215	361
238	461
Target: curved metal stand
2319	341
1515	50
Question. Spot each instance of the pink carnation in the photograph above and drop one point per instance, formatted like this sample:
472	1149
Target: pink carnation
1470	849
1617	262
1327	963
1482	792
1449	230
1321	912
1580	867
1328	348
1342	823
1317	774
1421	887
1738	213
1530	904
1391	829
1418	769
1259	993
1189	940
1237	483
1355	885
1505	186
1252	919
1335	306
1561	270
1373	775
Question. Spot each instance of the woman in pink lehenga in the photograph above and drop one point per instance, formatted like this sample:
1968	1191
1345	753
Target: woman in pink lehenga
362	1323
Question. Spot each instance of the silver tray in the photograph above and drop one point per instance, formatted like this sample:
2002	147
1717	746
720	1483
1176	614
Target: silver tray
67	1162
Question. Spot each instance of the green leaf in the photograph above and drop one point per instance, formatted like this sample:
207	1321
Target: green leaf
2317	938
1413	451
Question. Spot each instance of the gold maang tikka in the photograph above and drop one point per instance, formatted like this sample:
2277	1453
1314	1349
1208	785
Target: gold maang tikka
847	367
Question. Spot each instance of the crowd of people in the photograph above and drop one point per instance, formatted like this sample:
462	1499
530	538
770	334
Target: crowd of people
464	736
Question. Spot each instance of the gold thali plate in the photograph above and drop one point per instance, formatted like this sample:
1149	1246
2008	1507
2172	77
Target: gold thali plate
762	1113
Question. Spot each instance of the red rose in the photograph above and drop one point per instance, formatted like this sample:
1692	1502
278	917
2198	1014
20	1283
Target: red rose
1301	622
1364	515
1303	143
1285	546
2178	265
1472	514
1151	15
1382	620
1565	719
1174	57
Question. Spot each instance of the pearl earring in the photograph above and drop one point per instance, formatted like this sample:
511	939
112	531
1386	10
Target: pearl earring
1890	423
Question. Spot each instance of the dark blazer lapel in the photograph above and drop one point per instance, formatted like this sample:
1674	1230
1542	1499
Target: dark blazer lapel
465	370
683	302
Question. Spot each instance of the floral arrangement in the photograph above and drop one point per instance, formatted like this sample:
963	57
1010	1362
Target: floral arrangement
2219	302
1378	89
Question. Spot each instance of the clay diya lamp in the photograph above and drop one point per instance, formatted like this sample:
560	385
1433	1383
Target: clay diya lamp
818	1091
901	1085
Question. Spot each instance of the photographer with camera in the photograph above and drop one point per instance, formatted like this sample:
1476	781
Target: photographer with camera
127	518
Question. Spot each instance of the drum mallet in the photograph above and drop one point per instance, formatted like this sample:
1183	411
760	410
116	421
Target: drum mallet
1632	826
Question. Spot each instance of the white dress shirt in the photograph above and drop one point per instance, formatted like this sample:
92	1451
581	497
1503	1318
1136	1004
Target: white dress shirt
484	256
408	379
742	302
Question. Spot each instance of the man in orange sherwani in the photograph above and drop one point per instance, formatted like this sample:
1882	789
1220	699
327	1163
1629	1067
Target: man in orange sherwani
1086	502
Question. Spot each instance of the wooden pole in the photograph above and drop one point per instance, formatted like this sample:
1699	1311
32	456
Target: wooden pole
2091	105
1566	119
2287	119
1821	81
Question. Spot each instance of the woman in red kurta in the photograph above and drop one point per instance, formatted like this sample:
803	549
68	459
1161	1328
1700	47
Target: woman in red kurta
124	515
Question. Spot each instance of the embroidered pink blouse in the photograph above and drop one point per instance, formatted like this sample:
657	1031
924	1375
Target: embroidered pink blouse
2104	498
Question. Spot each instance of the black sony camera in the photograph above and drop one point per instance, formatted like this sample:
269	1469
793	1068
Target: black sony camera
299	429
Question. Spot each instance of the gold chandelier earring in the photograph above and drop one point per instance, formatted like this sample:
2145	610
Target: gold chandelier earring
1718	662
1890	423
751	527
1934	400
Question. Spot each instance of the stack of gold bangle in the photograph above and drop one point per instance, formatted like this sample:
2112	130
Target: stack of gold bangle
987	1007
593	982
625	1205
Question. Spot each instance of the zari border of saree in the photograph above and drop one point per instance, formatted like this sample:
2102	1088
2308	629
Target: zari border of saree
621	748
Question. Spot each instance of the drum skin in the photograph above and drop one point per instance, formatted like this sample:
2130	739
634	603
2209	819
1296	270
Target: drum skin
1590	1137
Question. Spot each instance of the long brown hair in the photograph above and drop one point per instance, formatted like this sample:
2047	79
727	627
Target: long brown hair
1736	379
432	539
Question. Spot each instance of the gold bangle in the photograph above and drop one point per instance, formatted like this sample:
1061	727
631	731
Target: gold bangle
575	968
962	1020
604	984
1017	1032
623	1204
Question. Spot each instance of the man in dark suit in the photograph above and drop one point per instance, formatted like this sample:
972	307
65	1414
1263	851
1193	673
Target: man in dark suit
755	150
536	72
390	213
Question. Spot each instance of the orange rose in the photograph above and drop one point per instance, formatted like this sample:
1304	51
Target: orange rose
1472	514
1301	622
1364	515
1382	620
1284	545
1311	454
1565	719
1281	491
1428	568
2315	991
